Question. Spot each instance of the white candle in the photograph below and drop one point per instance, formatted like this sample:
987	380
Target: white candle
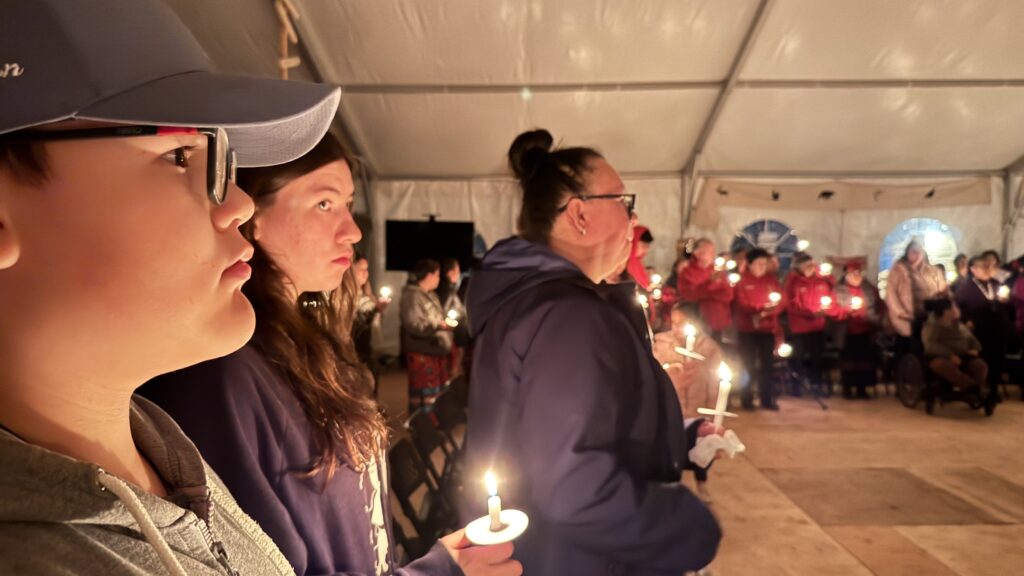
642	300
724	387
656	294
730	265
825	268
690	331
493	501
775	298
385	292
655	279
1004	292
734	279
826	301
856	302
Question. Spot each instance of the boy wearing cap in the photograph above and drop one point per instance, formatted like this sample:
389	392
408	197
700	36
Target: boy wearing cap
121	259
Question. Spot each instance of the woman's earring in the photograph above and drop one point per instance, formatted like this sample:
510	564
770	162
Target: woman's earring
583	231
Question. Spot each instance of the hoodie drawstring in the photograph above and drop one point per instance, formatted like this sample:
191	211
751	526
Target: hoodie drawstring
127	497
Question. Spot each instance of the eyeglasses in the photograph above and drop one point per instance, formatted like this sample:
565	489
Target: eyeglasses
221	164
627	200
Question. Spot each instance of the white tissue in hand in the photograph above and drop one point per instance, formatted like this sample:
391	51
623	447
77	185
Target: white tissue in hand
707	446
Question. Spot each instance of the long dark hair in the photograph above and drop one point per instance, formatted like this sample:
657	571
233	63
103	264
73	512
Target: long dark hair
309	342
548	177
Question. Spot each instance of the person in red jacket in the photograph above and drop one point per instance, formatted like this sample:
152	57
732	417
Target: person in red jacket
809	301
757	319
706	287
859	304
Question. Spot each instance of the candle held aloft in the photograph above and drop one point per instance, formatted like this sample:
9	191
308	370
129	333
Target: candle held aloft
690	331
724	387
493	501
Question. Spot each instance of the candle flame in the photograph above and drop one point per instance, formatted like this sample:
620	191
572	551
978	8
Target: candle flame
734	279
731	265
656	294
785	350
689	330
656	278
826	301
453	314
825	268
775	297
856	301
491	482
951	276
642	300
719	262
803	245
1004	292
724	373
385	292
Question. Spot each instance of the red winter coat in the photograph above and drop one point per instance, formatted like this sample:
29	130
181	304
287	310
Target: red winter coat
713	293
752	299
803	302
866	318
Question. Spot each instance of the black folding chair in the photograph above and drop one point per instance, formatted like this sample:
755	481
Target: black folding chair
428	440
434	516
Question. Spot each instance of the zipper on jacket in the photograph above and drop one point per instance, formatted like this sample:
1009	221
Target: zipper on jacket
216	548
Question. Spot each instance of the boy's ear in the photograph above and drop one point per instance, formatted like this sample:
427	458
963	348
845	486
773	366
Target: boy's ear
10	248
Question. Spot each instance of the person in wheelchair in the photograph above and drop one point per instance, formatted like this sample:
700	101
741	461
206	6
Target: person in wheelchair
951	350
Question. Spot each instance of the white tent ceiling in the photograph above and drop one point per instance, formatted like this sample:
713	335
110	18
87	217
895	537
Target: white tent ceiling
438	88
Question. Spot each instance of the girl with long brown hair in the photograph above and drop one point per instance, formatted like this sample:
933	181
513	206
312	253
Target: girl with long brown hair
289	421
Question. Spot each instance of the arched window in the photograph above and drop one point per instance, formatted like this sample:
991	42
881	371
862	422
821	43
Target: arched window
940	242
771	235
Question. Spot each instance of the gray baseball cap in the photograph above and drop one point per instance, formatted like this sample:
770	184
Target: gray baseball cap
135	62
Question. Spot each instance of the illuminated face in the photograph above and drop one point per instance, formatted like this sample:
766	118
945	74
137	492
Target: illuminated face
854	277
758	267
705	254
120	261
307	228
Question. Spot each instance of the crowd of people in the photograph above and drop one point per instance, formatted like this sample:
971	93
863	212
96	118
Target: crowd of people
187	373
780	325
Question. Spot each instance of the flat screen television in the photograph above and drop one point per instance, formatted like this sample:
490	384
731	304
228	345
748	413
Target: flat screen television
409	240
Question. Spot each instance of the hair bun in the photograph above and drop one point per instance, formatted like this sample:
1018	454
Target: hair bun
528	151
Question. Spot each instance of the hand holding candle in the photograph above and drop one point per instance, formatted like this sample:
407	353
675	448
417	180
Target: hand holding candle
856	303
826	302
719	263
708	446
452	319
385	293
1004	293
774	298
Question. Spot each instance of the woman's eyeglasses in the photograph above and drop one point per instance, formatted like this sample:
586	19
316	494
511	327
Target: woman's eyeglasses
221	164
627	200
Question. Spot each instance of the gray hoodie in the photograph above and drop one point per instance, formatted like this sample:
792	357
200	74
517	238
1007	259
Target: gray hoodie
59	515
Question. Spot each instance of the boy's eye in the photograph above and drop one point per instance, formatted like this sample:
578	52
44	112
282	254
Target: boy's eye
179	156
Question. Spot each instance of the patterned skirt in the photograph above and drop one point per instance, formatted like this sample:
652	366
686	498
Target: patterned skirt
427	376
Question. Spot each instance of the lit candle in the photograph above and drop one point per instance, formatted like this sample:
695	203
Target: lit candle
656	294
385	292
951	276
642	300
493	501
724	387
690	331
826	301
730	265
825	268
734	279
803	245
775	298
856	302
452	319
719	263
655	278
785	350
1004	292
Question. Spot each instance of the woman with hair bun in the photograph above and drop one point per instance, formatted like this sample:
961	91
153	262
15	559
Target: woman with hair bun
567	404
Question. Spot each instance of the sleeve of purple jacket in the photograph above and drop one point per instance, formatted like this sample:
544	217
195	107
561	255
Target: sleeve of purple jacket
572	410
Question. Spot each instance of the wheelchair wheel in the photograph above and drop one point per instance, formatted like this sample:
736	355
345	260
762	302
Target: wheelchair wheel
909	378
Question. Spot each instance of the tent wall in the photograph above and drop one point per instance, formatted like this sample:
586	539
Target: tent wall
861	232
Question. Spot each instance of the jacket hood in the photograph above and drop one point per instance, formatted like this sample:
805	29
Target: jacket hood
38	485
511	267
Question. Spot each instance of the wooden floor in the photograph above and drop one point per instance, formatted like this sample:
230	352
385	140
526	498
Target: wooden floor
865	487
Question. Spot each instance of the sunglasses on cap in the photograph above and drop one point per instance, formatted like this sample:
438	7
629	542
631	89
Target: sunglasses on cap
221	166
